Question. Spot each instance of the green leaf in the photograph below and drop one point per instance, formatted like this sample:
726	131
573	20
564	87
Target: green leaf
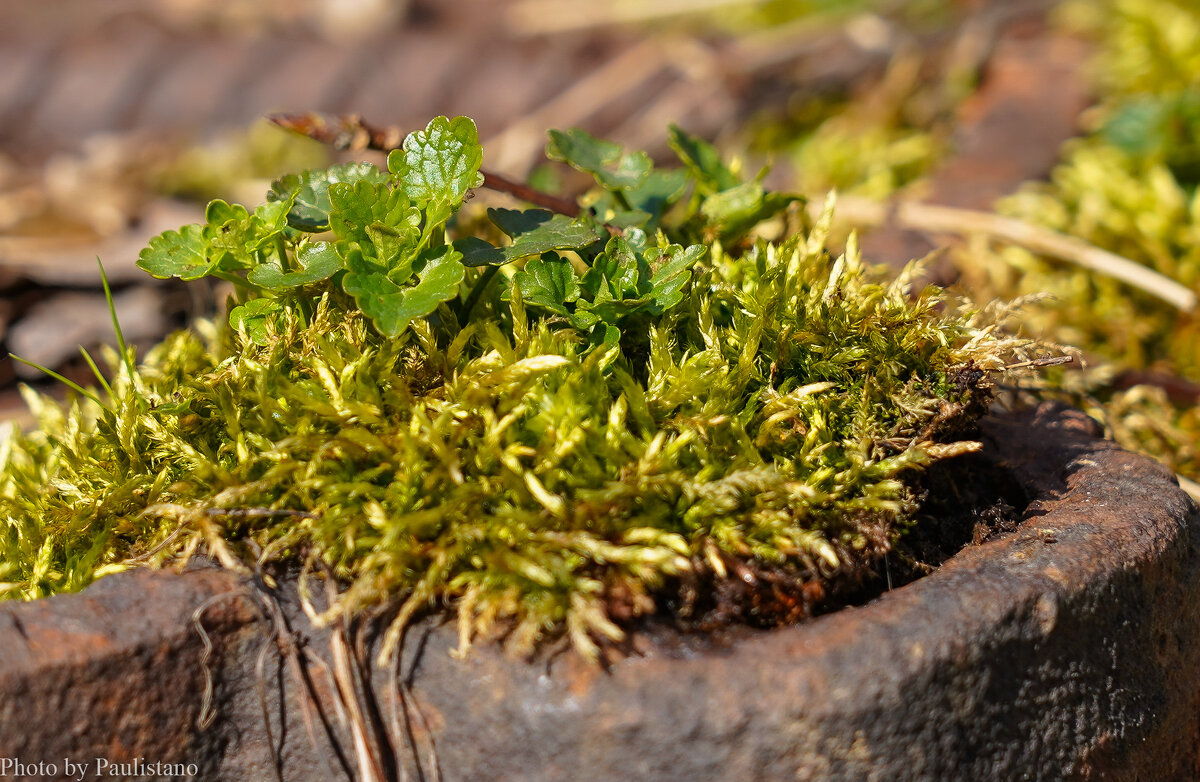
514	222
392	307
271	217
614	274
703	161
549	283
671	268
604	160
658	192
181	254
375	215
736	211
440	163
219	212
316	261
737	203
309	192
477	252
536	231
256	316
231	235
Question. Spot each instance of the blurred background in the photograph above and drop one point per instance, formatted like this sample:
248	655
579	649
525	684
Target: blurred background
120	119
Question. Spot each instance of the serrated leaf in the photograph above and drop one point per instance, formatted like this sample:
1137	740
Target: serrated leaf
537	231
671	269
736	211
614	273
256	317
702	160
392	307
309	192
549	283
440	163
477	252
657	193
316	261
375	215
181	254
607	161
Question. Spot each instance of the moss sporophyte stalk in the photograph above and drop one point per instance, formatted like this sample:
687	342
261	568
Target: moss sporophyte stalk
546	424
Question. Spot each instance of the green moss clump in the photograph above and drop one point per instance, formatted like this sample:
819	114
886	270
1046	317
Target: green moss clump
525	465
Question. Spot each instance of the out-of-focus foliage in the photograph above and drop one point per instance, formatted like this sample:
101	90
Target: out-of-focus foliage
214	168
1129	186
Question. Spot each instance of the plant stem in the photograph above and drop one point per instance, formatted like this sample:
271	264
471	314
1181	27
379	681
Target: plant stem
480	286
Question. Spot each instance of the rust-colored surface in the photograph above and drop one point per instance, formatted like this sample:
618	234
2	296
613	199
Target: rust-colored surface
112	673
1067	650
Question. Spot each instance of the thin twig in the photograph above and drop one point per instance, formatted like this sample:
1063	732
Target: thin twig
945	219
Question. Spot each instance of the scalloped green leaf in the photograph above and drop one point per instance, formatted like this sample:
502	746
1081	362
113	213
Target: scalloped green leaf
606	161
440	163
477	252
315	261
231	235
181	254
392	307
614	274
536	231
671	269
377	216
550	283
256	317
219	212
702	160
309	192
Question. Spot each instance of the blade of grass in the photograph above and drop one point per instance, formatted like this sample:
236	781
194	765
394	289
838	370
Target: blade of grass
71	383
112	311
96	371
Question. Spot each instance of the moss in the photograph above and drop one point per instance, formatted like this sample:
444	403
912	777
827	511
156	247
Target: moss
534	478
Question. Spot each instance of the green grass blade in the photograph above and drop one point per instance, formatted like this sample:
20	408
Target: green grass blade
112	311
71	383
96	371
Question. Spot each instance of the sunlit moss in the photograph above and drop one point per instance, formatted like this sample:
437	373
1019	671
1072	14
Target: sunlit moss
509	468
